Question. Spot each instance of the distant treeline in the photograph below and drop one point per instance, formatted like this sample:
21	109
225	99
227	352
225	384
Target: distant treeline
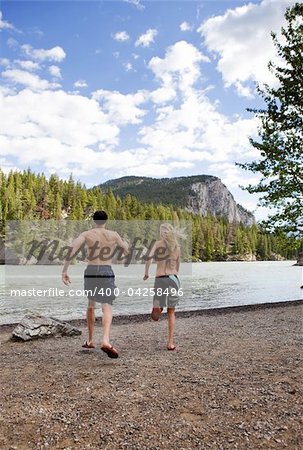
30	196
172	191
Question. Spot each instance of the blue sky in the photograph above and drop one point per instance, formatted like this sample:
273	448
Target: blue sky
114	88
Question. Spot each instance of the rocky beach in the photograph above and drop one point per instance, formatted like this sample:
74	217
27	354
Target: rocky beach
234	382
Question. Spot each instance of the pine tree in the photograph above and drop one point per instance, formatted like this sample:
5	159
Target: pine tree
281	132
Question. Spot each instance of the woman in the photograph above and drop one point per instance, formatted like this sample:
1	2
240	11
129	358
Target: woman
166	254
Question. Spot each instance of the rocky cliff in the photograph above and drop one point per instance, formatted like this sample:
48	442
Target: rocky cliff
213	196
199	194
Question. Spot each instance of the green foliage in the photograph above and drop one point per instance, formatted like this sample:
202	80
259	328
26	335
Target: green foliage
280	141
29	196
150	190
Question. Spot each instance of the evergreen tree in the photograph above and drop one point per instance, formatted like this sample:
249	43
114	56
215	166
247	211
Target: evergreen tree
281	132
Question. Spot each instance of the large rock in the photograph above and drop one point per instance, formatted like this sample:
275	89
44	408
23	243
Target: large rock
275	257
247	257
300	260
35	326
8	256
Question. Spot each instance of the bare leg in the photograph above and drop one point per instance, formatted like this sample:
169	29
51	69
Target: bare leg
156	312
90	317
106	322
171	327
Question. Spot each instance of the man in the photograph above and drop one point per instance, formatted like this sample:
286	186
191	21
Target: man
99	278
166	253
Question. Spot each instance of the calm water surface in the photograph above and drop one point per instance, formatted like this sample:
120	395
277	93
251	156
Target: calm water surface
205	285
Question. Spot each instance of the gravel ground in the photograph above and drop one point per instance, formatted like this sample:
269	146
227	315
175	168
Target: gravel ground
234	382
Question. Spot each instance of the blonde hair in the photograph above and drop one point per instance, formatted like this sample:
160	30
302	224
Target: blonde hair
171	235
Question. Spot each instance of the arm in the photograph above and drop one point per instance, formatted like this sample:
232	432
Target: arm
76	244
122	244
149	260
178	262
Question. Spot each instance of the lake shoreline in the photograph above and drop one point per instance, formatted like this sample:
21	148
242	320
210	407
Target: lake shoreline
134	318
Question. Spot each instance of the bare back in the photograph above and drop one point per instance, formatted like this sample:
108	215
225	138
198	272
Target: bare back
101	245
169	262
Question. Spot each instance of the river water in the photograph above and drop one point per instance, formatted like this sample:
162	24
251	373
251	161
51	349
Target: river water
204	285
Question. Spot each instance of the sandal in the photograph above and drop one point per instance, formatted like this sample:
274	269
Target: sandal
110	351
171	349
87	345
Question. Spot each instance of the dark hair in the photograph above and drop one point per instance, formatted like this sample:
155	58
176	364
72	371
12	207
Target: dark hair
100	217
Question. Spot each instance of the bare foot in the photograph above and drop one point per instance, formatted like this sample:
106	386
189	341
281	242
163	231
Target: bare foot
156	313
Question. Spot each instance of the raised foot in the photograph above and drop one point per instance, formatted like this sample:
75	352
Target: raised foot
110	351
156	313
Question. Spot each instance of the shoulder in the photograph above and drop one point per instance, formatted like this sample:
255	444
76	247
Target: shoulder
113	235
81	237
85	234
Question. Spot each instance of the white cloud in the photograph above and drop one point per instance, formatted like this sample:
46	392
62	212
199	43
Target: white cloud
4	25
163	95
35	31
146	38
185	26
121	36
241	39
67	132
195	132
4	62
7	90
180	64
27	65
56	54
122	108
44	128
128	67
25	78
244	91
232	175
5	165
136	3
55	71
188	127
12	43
80	84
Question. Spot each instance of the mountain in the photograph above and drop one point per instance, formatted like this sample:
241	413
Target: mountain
200	194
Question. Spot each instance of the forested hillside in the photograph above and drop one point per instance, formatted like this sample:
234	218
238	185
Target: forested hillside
27	196
199	194
161	190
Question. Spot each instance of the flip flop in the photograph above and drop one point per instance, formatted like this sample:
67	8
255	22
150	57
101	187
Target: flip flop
110	351
171	349
156	313
87	345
